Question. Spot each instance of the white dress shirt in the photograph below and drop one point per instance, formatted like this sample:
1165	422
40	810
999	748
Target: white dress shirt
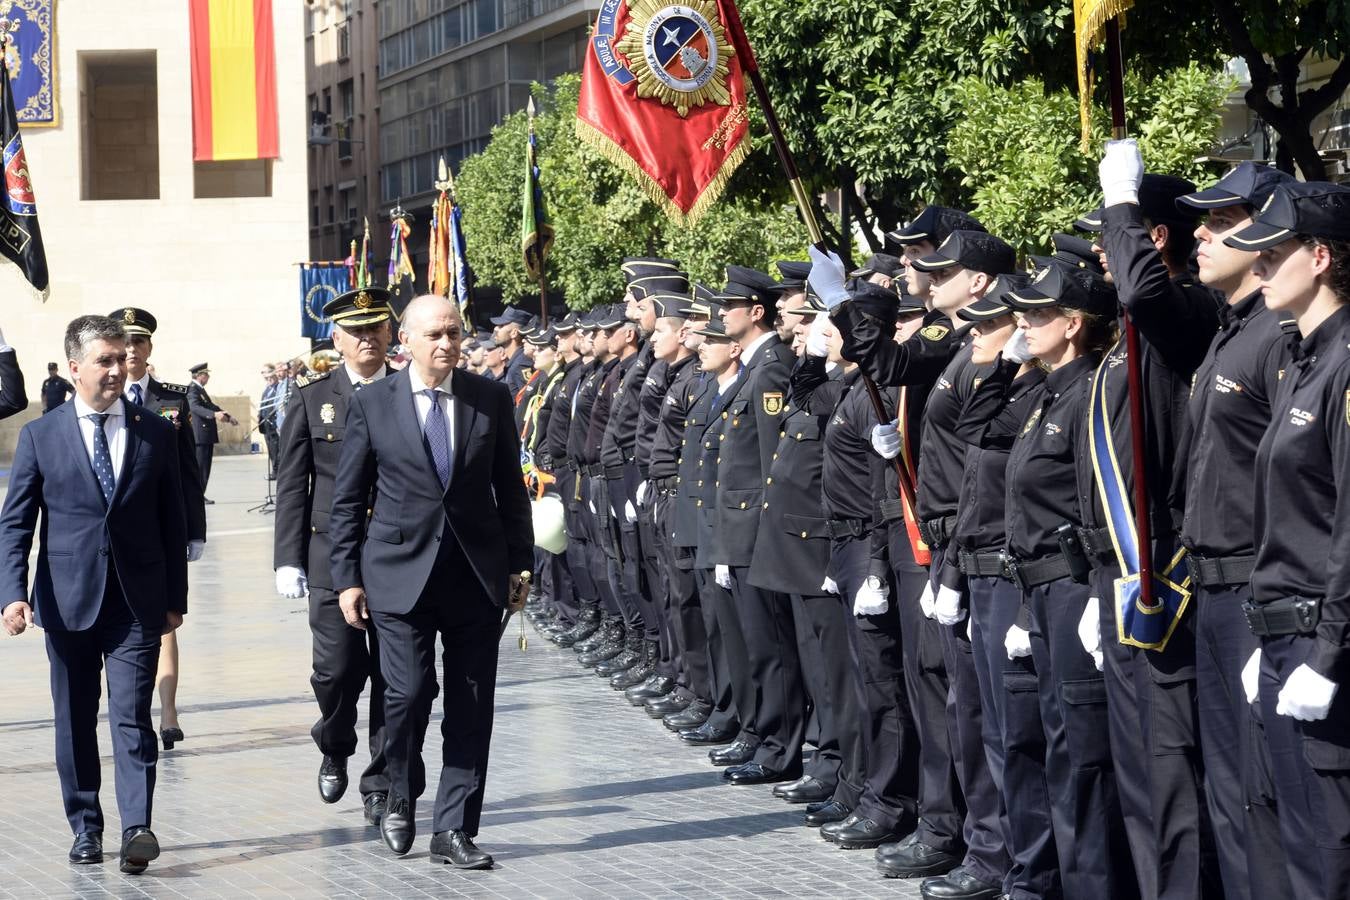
356	377
114	427
422	403
145	388
749	350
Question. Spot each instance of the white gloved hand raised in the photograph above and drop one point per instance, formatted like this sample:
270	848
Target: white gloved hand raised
818	337
1251	676
195	549
722	575
828	586
1016	349
1306	696
926	601
629	512
1017	642
947	607
291	582
827	277
1090	631
886	439
872	598
1121	171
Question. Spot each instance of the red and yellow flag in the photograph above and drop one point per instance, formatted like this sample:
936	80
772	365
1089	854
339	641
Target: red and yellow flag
1089	27
234	80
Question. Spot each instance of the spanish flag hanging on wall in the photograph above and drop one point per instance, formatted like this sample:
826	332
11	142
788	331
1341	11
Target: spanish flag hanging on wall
234	80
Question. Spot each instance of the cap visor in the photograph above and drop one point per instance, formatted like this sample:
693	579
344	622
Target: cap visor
984	311
1091	222
369	318
1029	299
1258	236
1211	198
933	263
908	237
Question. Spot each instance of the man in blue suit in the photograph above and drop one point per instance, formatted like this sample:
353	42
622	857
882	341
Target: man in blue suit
437	554
111	577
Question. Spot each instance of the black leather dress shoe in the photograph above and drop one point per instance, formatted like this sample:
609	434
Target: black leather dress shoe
779	788
455	848
375	803
708	733
807	790
864	834
830	830
332	779
634	677
754	773
607	650
578	632
739	753
87	849
138	848
664	706
959	884
914	858
625	660
398	827
692	716
656	686
818	814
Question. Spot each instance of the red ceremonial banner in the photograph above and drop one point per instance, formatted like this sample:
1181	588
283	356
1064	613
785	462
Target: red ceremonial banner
663	96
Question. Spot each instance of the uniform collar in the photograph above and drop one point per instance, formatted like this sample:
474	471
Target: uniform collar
1328	333
1066	374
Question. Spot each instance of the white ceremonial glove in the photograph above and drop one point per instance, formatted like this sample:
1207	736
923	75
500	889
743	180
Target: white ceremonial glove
1121	172
642	493
818	337
722	575
628	512
1306	696
1090	631
1016	350
591	504
291	582
886	440
1017	642
1251	676
829	587
926	601
827	277
195	549
947	608
968	627
872	598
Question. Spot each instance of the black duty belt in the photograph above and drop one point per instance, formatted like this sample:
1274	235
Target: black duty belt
612	472
1217	571
1036	572
936	532
892	510
981	565
1097	545
667	484
594	469
845	528
574	465
1293	615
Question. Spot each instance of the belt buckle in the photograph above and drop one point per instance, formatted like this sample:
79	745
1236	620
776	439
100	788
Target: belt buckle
1305	613
1256	618
1008	566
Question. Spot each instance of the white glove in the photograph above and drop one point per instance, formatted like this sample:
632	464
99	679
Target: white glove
1306	696
828	586
968	627
947	608
872	597
1121	172
195	550
827	277
628	512
1016	350
722	575
926	601
818	337
291	582
1251	676
1090	631
1017	642
591	504
642	493
886	439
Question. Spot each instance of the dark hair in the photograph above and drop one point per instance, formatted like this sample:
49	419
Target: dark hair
1180	244
1338	276
86	329
51	366
1099	333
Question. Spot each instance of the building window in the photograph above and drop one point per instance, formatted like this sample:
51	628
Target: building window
232	178
344	40
347	99
119	125
313	209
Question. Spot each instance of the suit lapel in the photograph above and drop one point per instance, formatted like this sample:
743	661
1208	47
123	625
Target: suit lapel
406	413
76	439
131	425
465	412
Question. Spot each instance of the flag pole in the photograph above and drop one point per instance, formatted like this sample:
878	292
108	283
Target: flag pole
1143	523
538	228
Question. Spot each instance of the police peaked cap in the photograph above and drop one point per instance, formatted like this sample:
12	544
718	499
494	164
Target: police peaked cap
634	267
1059	285
666	282
1158	195
934	224
750	285
978	251
1318	209
1072	251
793	275
995	302
134	320
1249	184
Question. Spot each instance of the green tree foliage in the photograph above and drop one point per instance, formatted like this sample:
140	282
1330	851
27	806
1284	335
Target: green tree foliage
1017	147
600	215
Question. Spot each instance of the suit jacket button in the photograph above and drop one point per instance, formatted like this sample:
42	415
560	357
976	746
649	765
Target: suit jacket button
803	535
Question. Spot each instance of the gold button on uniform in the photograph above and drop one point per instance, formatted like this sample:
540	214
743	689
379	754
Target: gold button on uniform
742	504
769	480
803	535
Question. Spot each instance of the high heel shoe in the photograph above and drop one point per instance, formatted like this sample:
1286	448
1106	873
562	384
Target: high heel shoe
170	736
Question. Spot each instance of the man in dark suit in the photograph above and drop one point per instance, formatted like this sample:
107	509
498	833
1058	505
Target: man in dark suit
311	442
205	416
437	554
111	577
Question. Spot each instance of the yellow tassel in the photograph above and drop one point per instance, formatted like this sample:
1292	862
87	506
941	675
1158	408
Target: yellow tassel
1090	18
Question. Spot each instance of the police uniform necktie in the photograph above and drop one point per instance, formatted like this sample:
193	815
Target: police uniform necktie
136	394
437	438
103	469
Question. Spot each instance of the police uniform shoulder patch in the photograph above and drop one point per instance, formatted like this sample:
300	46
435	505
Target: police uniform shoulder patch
327	414
934	333
773	402
173	388
307	380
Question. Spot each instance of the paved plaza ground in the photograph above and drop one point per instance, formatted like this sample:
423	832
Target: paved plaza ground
586	797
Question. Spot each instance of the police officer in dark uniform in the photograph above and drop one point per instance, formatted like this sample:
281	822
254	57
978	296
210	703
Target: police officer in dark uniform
55	389
344	658
506	333
205	415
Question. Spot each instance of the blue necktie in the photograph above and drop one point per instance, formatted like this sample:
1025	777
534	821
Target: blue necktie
136	394
437	438
103	469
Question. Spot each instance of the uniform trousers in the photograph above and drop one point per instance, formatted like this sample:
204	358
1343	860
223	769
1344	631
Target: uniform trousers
454	606
829	678
129	652
578	539
771	647
719	603
344	659
602	553
1311	766
205	454
1237	760
724	715
684	613
1095	853
639	614
1011	708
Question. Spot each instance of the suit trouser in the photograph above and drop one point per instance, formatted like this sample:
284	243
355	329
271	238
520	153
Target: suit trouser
344	658
205	453
771	644
1012	727
831	681
721	607
681	593
129	652
1095	853
1237	760
455	607
1311	766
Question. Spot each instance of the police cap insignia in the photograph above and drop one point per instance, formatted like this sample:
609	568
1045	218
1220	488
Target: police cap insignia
362	301
129	316
934	332
773	402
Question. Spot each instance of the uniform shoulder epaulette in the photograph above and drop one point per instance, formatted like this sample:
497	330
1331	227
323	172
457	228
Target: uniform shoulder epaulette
174	388
306	380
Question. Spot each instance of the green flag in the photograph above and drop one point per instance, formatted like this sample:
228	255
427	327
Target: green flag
535	229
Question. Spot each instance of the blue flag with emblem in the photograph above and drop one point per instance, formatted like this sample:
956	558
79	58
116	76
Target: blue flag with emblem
1137	624
319	283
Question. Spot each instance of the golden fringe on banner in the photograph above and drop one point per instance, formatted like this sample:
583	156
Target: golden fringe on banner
1089	19
611	151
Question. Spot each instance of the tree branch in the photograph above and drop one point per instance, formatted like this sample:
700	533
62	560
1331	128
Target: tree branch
1320	98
